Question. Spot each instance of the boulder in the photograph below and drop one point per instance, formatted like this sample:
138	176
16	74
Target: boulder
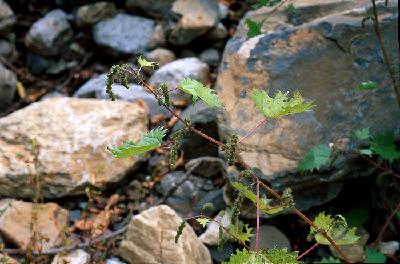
196	17
124	34
16	220
90	14
50	34
72	135
7	18
323	55
8	82
78	256
151	239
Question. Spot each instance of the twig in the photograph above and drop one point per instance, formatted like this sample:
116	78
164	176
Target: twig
380	235
307	251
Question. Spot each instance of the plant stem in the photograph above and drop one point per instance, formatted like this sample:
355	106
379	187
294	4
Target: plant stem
380	167
307	251
251	131
258	217
388	64
379	238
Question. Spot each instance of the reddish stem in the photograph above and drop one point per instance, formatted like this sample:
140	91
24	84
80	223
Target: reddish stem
387	170
251	131
307	251
258	217
379	238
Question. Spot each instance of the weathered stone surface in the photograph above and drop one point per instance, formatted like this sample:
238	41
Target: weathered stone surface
124	34
271	237
72	135
312	58
90	14
8	259
161	56
16	219
50	34
7	18
7	87
151	239
172	73
210	56
78	256
8	50
155	8
196	18
206	166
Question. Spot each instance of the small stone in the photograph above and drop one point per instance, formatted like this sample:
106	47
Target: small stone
50	34
206	166
90	14
389	248
161	56
7	87
158	38
8	50
7	259
114	261
151	239
219	254
211	236
124	34
271	237
154	8
223	11
7	18
210	56
78	256
16	219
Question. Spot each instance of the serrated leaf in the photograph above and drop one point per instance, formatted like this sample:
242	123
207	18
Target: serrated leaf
269	256
383	145
241	231
254	28
374	256
149	141
199	90
280	105
317	157
366	152
144	63
203	221
281	255
362	134
336	227
370	85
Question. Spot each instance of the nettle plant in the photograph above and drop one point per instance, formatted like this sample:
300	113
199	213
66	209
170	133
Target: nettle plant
325	229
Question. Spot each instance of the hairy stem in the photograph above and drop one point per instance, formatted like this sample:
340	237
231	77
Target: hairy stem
307	251
258	217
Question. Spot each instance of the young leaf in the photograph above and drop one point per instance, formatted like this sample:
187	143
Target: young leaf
269	256
254	28
149	141
241	232
383	145
336	227
370	85
280	105
144	63
315	158
203	221
362	134
373	256
199	90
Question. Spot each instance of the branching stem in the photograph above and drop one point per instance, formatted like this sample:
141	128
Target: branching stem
307	251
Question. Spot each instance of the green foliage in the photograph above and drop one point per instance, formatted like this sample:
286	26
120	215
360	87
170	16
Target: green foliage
362	134
163	90
280	105
268	3
240	232
180	230
121	72
149	141
208	206
370	85
335	227
230	149
203	221
374	256
254	28
329	260
235	210
383	145
358	216
290	9
317	157
199	90
144	63
274	256
174	152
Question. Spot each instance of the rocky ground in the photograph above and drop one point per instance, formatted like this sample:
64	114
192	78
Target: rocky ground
61	189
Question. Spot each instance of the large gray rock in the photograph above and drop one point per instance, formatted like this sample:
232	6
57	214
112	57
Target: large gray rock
196	17
90	14
7	87
311	56
125	34
151	239
72	135
50	34
7	18
172	73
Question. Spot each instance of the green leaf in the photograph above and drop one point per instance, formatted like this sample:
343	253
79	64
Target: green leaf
329	260
383	145
274	256
280	105
373	256
149	141
203	221
281	255
358	216
254	28
199	90
317	157
336	227
362	134
370	85
241	232
366	152
262	3
144	63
